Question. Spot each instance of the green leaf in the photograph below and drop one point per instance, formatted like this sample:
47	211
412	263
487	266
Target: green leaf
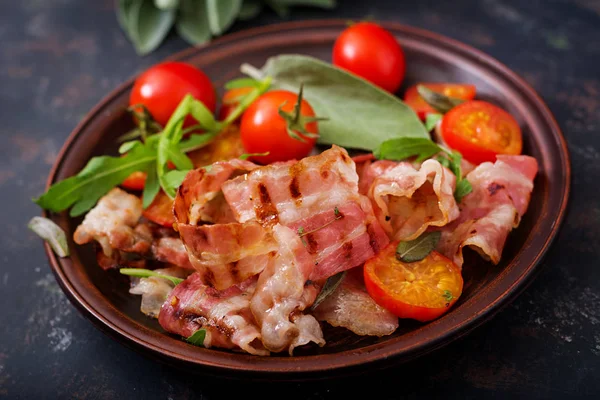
431	121
406	147
247	156
418	249
447	295
331	284
440	102
127	146
146	273
203	115
151	187
99	176
51	233
250	9
241	83
148	25
222	14
166	4
328	4
197	339
174	178
281	9
124	14
192	23
463	188
360	114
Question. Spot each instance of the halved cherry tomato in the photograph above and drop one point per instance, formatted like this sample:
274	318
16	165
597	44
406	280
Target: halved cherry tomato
230	101
480	131
421	290
264	130
135	181
371	52
160	210
457	90
162	87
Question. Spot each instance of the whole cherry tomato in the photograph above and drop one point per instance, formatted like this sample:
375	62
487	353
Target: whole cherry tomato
421	290
371	52
263	129
413	99
162	87
480	131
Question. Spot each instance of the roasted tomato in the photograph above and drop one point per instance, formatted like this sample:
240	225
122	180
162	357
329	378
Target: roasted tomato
457	90
160	210
162	87
421	290
263	129
231	100
480	131
371	52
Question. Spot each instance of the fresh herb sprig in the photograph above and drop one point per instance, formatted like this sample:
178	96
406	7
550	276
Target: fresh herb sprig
146	273
150	155
419	248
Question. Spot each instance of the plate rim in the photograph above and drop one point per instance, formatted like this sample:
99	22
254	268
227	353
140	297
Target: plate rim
458	330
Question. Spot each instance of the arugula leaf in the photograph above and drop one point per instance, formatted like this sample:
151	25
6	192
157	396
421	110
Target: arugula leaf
431	121
146	273
353	105
418	249
241	83
51	233
405	147
99	176
440	102
197	339
173	179
151	187
463	188
248	155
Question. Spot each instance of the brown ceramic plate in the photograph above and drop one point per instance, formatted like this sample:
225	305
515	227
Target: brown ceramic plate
103	296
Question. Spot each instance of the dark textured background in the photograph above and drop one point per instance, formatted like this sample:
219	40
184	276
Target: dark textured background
60	57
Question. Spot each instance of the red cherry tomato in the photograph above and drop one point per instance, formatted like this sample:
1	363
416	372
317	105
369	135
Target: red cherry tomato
480	131
160	211
371	52
135	181
231	99
162	87
457	90
421	290
264	130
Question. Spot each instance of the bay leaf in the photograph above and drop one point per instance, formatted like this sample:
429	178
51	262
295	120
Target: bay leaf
361	115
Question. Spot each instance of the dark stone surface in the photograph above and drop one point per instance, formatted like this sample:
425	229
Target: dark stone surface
59	57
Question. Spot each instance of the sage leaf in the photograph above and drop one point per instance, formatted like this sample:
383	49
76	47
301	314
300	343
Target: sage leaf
281	9
331	284
463	188
148	25
418	249
431	121
402	148
328	4
197	339
250	9
51	233
361	115
221	14
166	4
192	23
124	13
440	102
146	273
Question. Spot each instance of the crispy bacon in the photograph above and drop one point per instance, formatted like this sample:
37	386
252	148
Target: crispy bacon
408	200
154	290
351	307
111	223
282	293
318	198
500	197
225	315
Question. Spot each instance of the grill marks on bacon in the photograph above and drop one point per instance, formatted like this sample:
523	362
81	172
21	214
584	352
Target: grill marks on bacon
282	294
225	315
500	197
305	195
408	200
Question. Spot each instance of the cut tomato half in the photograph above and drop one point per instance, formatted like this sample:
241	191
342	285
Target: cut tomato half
160	211
421	290
456	90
